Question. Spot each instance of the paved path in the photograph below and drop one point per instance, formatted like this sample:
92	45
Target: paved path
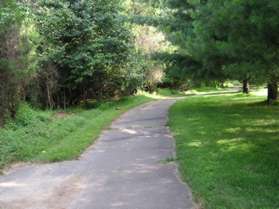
125	169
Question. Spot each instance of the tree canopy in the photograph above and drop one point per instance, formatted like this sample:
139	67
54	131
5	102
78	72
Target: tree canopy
229	39
60	53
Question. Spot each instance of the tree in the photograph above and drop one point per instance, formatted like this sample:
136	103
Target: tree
89	48
231	39
250	29
13	68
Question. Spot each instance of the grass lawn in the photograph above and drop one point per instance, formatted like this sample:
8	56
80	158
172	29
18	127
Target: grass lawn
167	92
170	92
228	150
47	136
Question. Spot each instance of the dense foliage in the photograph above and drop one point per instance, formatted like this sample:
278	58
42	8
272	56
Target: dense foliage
219	40
59	53
86	49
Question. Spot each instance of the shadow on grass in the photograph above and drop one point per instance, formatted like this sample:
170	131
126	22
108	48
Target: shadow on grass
221	93
228	148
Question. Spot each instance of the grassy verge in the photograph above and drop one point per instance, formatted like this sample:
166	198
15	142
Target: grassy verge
51	136
228	150
170	92
167	92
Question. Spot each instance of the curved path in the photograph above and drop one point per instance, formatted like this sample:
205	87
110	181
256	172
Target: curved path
125	169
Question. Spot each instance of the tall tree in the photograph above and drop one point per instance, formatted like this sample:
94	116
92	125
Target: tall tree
12	60
231	39
86	47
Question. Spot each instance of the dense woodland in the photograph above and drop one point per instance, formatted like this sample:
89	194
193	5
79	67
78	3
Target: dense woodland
55	54
58	53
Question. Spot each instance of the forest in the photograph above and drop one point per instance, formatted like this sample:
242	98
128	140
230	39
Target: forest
65	62
57	54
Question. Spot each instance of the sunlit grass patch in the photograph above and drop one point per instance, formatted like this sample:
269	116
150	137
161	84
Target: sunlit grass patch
228	150
162	94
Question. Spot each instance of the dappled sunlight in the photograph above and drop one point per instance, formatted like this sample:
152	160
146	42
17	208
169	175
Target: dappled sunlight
154	95
252	130
244	147
11	184
128	131
149	95
193	119
230	143
259	92
232	130
195	144
264	122
239	144
262	130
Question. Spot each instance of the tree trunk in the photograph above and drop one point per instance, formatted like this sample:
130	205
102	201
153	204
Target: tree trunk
49	103
64	99
245	86
272	92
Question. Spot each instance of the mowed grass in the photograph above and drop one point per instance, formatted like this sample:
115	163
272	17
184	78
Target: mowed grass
48	136
228	150
167	92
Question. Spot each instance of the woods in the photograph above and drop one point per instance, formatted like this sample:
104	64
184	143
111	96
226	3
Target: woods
55	54
69	68
222	40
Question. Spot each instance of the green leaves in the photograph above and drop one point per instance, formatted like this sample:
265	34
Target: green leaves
230	39
90	45
58	53
11	12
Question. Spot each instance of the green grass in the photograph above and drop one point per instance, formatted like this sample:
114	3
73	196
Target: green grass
167	92
45	136
170	92
228	150
208	89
